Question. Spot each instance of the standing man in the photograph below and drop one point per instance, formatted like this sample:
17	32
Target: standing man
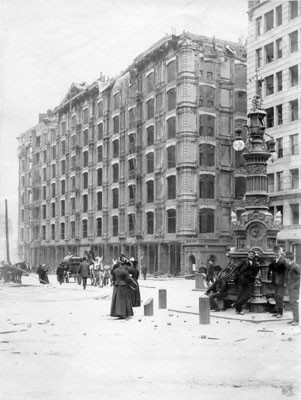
293	286
210	271
278	268
246	272
84	271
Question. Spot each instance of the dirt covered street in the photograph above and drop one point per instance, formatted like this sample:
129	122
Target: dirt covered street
58	342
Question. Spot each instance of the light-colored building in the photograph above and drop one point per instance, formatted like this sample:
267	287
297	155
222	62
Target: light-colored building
274	70
142	164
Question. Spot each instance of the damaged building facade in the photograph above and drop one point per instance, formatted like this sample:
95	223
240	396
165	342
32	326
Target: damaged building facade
141	164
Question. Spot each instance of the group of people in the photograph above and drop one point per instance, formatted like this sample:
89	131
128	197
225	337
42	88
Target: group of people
284	271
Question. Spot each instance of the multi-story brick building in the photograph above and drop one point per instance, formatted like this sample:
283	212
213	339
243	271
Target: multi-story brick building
274	52
143	163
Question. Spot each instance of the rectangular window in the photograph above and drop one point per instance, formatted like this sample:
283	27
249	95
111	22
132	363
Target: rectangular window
270	117
294	42
279	48
259	57
258	26
279	81
269	53
294	178
271	183
269	85
293	9
295	214
279	15
269	20
294	75
294	143
279	144
279	181
279	114
294	110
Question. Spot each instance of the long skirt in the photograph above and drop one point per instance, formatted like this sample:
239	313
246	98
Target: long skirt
135	296
121	305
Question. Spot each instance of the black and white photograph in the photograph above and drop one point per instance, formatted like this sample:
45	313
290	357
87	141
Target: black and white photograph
150	199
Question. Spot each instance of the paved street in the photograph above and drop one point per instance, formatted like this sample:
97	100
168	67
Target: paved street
58	342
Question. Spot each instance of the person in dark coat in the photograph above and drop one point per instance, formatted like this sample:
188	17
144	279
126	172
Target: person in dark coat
278	269
60	273
245	272
121	305
210	271
84	271
42	272
135	293
218	289
293	285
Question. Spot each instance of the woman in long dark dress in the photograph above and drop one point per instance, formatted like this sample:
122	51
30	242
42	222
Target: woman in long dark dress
121	305
135	294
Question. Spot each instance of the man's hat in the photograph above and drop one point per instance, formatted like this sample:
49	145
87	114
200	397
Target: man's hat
290	255
276	248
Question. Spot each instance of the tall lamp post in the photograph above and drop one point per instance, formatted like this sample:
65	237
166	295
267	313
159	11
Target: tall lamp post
256	228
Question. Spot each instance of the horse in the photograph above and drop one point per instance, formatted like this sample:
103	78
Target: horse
96	272
17	271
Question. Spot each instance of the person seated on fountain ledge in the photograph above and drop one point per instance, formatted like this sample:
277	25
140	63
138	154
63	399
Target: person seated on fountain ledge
245	273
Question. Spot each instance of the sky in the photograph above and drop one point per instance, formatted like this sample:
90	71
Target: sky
48	44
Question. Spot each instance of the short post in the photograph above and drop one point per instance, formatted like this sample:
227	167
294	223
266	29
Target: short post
149	307
162	298
204	310
200	282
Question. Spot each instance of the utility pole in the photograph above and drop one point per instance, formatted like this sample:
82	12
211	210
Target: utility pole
6	233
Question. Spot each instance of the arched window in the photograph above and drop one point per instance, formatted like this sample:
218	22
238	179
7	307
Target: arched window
63	187
171	99
116	148
62	230
100	131
99	177
171	221
115	198
115	169
132	194
99	227
150	109
116	124
171	71
171	187
150	82
72	229
100	109
206	185
85	203
132	143
207	155
99	201
99	154
85	228
62	208
150	191
206	220
171	157
150	222
116	101
207	125
115	225
86	116
85	180
150	135
86	137
240	187
132	118
132	224
85	158
150	162
171	128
